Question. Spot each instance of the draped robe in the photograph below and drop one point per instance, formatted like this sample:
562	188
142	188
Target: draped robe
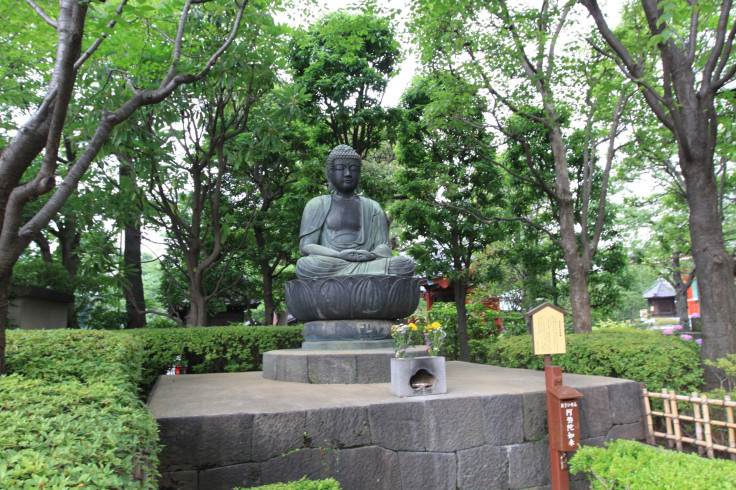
373	236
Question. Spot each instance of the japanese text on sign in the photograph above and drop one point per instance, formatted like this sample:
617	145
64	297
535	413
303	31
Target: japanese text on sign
548	332
570	422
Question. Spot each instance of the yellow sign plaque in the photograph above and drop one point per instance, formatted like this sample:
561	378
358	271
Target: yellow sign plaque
548	329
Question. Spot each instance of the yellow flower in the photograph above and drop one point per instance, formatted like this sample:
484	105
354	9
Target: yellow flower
412	326
436	325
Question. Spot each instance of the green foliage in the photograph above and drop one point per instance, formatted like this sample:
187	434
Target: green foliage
33	271
642	278
440	164
482	328
446	315
161	322
607	323
726	371
630	464
345	60
659	322
303	484
659	361
102	317
514	322
211	349
445	157
70	415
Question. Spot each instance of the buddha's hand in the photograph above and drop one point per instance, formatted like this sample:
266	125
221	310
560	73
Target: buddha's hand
357	255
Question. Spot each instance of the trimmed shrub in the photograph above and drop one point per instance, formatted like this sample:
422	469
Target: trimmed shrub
162	322
657	360
303	484
70	414
514	322
211	349
630	464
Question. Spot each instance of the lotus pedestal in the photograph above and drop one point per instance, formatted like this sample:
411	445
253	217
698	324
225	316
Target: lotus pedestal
349	312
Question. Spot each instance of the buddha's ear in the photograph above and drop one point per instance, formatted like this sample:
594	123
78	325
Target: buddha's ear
330	187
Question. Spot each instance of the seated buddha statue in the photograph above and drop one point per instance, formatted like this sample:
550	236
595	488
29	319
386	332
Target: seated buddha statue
343	233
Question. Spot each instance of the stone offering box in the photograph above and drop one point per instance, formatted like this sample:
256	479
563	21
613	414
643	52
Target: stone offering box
416	376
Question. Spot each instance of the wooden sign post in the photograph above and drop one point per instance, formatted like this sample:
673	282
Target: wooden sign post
548	337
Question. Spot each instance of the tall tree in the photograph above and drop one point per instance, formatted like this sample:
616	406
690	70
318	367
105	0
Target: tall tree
135	299
439	167
345	61
40	135
516	58
280	161
204	211
684	81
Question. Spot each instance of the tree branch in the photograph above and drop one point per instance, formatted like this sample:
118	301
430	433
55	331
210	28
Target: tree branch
98	41
42	14
631	68
111	119
483	219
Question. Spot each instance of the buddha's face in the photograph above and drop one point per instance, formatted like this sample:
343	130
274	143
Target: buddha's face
345	175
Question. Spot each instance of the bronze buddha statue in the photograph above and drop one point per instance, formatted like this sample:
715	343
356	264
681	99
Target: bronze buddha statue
343	233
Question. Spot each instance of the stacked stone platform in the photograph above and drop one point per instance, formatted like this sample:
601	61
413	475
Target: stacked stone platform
488	431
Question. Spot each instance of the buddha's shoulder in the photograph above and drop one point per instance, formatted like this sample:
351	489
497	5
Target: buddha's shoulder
370	202
319	201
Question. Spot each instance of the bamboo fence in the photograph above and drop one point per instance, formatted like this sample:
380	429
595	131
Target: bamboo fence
702	423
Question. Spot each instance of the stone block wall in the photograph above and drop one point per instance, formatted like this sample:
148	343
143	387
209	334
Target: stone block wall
434	442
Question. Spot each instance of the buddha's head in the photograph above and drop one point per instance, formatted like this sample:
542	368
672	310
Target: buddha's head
343	170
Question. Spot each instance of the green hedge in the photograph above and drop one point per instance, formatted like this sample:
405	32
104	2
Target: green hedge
70	413
658	360
211	349
630	464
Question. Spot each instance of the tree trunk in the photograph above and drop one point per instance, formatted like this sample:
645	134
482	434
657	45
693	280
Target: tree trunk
681	288
135	301
681	307
44	246
266	273
577	267
69	239
8	257
197	316
714	265
4	303
579	297
461	291
282	318
248	311
268	306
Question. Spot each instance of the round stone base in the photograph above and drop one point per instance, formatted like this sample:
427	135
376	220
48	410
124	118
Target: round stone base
348	344
332	330
328	366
